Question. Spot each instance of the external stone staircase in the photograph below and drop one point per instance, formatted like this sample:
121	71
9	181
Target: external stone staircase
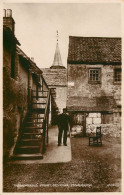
34	134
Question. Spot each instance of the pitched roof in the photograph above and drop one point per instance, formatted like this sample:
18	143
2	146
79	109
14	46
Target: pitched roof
56	77
28	62
103	103
94	50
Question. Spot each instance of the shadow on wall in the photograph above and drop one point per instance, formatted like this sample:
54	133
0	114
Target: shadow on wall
15	108
55	112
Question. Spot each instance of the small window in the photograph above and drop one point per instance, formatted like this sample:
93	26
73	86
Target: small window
94	75
117	75
78	119
107	118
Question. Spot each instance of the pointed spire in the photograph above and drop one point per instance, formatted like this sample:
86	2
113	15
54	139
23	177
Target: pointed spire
57	62
57	57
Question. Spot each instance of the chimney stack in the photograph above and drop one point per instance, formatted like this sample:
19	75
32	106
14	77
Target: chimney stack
8	20
4	13
9	13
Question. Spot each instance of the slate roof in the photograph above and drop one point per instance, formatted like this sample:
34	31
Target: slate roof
28	62
103	103
94	50
55	77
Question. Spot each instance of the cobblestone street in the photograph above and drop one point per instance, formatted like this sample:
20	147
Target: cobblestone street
92	169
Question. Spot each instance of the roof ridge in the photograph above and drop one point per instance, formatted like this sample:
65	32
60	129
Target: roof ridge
96	37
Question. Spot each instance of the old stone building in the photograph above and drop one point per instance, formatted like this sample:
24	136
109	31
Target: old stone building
56	78
24	89
94	83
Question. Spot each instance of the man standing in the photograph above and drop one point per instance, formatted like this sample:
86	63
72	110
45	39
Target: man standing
63	122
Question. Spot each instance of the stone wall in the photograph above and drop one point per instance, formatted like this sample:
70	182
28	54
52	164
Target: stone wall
18	81
57	79
23	76
15	108
78	85
101	101
7	58
61	96
111	130
94	120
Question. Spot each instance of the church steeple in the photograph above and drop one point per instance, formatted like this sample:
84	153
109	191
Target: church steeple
57	62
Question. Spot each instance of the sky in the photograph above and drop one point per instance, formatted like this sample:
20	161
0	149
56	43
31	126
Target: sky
36	25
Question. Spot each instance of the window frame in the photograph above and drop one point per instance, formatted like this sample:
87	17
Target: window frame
117	81
107	118
99	76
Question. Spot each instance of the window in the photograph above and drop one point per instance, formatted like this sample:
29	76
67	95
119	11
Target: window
107	118
94	75
78	118
117	75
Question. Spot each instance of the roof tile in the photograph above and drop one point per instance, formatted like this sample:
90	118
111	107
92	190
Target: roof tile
94	50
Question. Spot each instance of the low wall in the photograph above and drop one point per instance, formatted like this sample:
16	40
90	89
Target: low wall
93	120
113	130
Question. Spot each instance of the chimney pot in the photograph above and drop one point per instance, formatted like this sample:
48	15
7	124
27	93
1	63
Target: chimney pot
9	13
4	13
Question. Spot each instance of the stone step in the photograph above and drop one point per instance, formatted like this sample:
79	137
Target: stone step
38	103
34	122
29	128
27	156
37	111
32	135
28	149
38	96
30	142
31	132
35	133
33	126
31	117
35	117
